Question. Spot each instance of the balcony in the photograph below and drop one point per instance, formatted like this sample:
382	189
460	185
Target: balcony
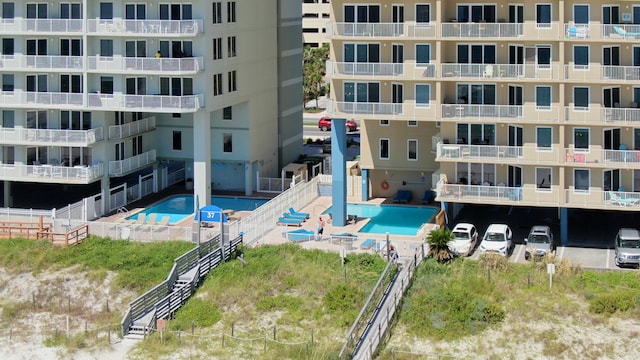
19	62
155	28
627	159
501	71
51	174
21	26
132	128
599	199
50	137
40	100
146	103
482	30
122	167
497	194
382	30
498	154
132	65
598	115
385	111
353	69
505	113
597	72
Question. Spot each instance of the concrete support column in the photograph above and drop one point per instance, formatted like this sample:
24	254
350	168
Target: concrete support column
8	196
564	226
248	179
339	171
105	187
202	158
365	184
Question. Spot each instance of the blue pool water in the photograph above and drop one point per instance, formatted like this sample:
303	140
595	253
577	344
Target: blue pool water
179	207
394	219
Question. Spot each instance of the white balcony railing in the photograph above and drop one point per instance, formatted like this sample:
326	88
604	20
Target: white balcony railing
47	100
119	64
482	30
411	30
497	194
600	199
52	173
22	25
625	73
52	137
388	111
508	113
602	158
498	153
132	128
145	27
597	72
380	69
122	167
19	62
602	115
146	103
501	71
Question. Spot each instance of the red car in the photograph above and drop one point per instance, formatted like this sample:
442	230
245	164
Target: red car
324	124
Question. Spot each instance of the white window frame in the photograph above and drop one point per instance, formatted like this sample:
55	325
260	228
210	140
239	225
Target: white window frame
388	149
544	108
581	191
415	9
573	98
421	105
538	188
544	25
409	141
581	67
415	49
384	122
544	149
412	123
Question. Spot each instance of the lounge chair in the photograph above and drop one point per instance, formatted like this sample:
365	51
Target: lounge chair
367	244
626	201
299	235
625	33
153	219
288	221
292	211
403	197
294	216
141	219
164	221
428	196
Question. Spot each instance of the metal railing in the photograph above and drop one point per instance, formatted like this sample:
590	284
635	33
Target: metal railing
41	100
411	30
21	62
597	31
132	128
121	167
53	137
145	27
388	111
595	114
599	199
52	173
120	64
546	195
482	30
597	72
508	113
22	25
498	153
411	71
602	157
501	71
146	103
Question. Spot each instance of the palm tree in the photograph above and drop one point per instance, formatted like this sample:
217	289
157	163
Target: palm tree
438	241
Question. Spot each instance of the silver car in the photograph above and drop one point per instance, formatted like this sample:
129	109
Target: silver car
627	247
539	242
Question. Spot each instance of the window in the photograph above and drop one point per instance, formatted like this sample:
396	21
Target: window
177	140
75	120
361	92
544	57
231	81
543	178
106	48
478	94
581	98
581	14
480	134
70	11
412	123
217	48
423	54
477	13
581	138
231	12
362	13
362	53
543	97
135	11
544	136
227	142
543	15
7	82
37	83
423	13
581	179
8	10
384	149
423	95
106	84
37	47
217	13
231	46
412	150
119	151
71	83
136	86
217	84
37	11
227	113
106	10
136	145
384	122
8	118
71	47
176	86
7	47
581	57
176	12
476	54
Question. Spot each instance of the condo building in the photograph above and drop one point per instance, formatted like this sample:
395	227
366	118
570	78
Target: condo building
509	103
315	14
94	92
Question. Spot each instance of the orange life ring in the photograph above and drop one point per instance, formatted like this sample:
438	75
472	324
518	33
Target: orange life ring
385	185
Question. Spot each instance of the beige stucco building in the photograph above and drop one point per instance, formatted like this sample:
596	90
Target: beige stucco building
315	14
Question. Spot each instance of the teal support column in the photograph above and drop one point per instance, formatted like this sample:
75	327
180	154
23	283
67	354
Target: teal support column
339	171
564	226
365	184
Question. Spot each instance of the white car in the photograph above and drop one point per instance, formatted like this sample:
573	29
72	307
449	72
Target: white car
465	237
497	239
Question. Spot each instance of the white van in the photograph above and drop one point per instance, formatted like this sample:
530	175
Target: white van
497	239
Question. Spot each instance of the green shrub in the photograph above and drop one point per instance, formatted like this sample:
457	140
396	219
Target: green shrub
270	303
610	303
202	313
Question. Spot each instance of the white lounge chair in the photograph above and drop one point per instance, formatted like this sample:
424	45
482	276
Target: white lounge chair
488	71
164	221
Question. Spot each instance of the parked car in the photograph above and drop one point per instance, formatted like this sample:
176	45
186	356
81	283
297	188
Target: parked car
539	242
324	124
497	239
627	247
465	238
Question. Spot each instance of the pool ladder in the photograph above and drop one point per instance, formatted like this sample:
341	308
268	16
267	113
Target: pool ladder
122	210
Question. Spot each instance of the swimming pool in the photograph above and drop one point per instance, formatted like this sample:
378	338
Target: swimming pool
179	207
394	219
